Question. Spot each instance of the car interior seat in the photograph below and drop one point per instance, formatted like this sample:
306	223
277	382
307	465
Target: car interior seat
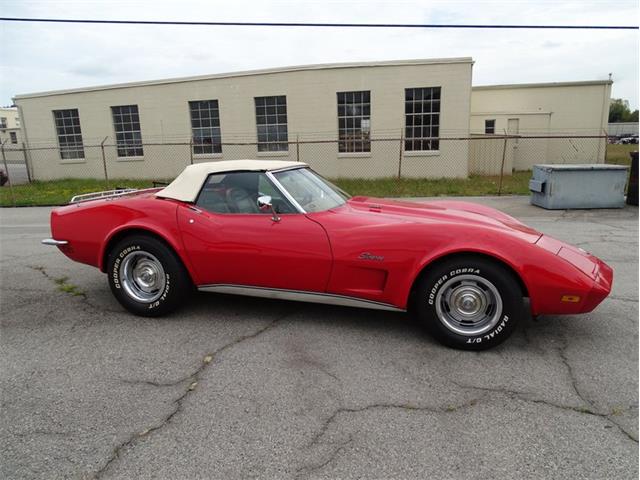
239	201
213	201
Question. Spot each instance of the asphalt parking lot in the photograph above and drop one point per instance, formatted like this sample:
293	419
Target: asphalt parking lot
17	173
234	387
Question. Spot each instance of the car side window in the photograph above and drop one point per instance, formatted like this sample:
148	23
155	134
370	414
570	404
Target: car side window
279	202
238	192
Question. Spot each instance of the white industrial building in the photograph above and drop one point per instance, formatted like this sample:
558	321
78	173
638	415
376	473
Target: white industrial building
346	109
570	109
622	129
10	132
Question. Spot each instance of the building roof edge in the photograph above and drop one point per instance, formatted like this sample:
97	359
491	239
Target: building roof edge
266	71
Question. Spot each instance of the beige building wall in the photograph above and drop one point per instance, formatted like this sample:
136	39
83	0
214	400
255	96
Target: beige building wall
311	111
551	109
488	154
10	133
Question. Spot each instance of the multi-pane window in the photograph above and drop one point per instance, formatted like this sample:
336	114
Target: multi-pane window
422	118
3	122
14	137
354	121
490	127
271	120
205	126
69	133
126	123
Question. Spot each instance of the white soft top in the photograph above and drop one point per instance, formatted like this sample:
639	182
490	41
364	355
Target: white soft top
188	184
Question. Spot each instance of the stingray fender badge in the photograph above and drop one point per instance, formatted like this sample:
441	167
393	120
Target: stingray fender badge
370	256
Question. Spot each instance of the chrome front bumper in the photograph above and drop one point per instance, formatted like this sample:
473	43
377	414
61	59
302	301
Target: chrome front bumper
53	241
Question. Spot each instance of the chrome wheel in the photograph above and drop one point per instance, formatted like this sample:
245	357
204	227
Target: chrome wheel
468	305
142	276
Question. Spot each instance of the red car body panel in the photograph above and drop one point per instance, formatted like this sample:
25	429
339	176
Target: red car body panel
368	248
252	249
90	226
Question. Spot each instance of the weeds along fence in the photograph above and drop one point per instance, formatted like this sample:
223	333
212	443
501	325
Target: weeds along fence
357	161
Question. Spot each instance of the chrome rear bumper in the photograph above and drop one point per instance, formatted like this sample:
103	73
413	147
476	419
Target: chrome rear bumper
53	241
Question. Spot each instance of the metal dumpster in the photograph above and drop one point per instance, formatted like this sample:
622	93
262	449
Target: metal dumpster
632	189
578	186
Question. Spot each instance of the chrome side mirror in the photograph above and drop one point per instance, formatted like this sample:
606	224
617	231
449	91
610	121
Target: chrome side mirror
264	203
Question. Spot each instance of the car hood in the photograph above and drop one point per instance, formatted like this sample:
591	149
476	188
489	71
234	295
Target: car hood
379	211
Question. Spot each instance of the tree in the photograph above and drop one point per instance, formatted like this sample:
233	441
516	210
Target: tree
619	111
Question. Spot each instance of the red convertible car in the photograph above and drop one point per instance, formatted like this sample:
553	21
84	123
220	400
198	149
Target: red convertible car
277	229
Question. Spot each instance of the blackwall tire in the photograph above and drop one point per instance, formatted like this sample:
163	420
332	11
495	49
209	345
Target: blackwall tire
146	276
469	302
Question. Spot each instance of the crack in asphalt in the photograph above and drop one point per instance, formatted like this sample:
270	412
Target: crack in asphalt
525	397
587	408
315	440
193	377
562	352
154	384
73	291
317	365
309	469
60	282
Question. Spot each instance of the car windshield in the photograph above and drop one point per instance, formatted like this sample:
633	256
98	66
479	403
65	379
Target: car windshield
310	190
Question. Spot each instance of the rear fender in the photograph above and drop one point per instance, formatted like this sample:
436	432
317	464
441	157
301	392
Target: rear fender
170	237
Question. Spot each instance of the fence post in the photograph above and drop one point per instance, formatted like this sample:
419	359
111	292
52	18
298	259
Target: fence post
26	162
6	168
297	147
104	162
504	153
606	146
400	156
191	151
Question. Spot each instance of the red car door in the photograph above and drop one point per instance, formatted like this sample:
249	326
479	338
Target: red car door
254	250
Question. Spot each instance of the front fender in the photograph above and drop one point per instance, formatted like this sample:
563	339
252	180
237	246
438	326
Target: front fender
546	277
437	255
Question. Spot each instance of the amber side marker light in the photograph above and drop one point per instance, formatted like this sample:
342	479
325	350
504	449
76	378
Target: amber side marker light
570	298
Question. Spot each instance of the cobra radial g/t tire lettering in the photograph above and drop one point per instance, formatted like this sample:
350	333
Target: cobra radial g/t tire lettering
146	276
469	302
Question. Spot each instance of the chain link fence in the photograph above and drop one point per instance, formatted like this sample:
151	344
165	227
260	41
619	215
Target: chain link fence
484	163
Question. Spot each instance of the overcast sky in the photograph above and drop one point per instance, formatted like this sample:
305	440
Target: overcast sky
39	57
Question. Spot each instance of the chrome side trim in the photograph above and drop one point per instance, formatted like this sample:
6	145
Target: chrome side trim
284	192
54	242
298	296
